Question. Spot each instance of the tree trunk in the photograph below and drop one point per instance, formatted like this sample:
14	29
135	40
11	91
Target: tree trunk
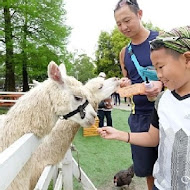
9	64
24	56
25	75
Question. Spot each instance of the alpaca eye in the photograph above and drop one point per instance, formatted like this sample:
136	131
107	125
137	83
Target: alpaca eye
77	98
101	87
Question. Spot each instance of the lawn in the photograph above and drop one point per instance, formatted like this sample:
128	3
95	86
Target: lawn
3	110
100	158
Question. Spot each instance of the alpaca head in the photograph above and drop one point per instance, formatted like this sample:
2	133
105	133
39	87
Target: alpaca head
67	95
100	89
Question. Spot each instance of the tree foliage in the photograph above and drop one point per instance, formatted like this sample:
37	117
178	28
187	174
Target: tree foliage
107	54
32	34
83	68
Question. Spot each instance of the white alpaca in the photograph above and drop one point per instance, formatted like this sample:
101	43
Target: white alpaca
53	148
38	110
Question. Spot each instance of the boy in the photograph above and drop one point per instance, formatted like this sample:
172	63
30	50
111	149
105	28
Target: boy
170	124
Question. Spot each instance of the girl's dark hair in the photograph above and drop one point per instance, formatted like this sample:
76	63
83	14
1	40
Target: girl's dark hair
133	5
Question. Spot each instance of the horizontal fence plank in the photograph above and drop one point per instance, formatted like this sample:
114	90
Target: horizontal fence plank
14	158
7	92
4	100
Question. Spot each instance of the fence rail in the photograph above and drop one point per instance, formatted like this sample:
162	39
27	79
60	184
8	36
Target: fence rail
13	159
8	99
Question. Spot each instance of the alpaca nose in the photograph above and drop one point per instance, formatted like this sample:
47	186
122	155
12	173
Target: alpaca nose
117	80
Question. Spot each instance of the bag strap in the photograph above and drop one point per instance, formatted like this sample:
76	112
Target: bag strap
134	60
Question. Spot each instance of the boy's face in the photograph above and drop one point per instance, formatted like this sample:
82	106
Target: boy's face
173	72
127	21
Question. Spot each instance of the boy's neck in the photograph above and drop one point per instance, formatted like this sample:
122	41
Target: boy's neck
141	36
183	91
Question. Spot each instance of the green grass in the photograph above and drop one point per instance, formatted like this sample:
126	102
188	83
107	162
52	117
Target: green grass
100	158
3	110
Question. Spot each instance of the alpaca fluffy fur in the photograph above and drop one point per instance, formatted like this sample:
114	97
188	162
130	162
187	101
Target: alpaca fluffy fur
53	148
37	112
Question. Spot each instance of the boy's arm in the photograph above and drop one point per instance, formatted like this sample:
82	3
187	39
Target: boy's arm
146	139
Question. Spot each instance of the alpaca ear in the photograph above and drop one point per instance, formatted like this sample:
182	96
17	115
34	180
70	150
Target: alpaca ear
35	82
54	72
63	70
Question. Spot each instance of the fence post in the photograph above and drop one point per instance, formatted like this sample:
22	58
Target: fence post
67	171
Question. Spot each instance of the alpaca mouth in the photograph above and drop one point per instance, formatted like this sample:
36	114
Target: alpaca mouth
89	123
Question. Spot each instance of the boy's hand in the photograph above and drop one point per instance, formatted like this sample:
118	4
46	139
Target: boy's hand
108	132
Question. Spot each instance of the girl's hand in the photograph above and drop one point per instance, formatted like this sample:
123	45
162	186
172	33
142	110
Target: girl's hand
125	82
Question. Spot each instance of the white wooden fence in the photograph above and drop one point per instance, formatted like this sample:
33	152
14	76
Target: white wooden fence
15	156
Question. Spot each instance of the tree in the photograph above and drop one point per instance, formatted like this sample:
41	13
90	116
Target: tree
8	40
37	34
83	68
107	54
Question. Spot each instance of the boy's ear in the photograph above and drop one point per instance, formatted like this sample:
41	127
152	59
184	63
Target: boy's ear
187	57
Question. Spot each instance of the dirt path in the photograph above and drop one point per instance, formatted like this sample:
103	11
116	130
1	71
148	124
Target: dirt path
136	184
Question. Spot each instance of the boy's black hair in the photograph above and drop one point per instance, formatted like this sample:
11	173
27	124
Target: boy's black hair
178	39
172	52
156	44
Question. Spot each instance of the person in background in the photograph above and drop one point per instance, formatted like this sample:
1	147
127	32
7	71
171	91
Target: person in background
105	108
117	99
170	123
104	111
127	100
128	19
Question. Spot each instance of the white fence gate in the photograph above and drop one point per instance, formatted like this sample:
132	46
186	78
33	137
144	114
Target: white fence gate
15	157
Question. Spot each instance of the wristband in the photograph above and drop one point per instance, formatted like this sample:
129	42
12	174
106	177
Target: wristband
128	137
